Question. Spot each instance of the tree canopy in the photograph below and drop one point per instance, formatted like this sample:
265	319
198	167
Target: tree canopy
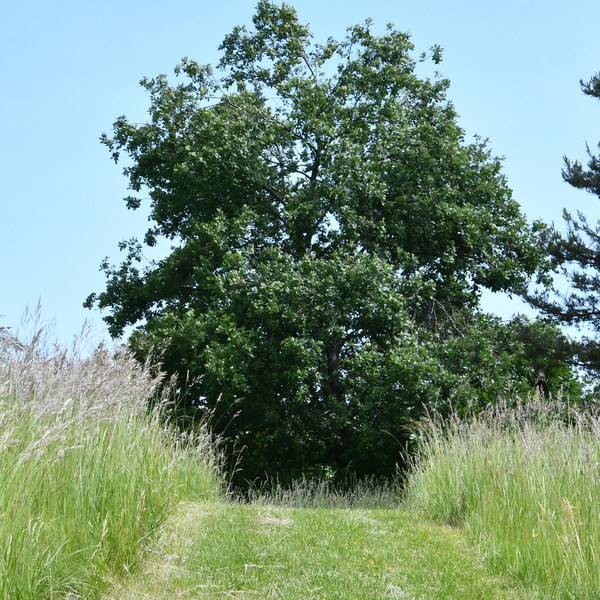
331	231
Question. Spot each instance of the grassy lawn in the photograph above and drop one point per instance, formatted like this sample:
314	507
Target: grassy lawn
220	550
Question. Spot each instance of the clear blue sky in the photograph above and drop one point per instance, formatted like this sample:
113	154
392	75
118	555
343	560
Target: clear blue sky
69	69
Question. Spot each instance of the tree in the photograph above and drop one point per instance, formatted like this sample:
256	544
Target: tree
576	256
327	221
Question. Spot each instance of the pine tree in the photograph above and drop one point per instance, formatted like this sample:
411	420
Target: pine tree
576	255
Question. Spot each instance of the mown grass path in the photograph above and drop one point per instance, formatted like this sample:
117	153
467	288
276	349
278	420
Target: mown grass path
220	550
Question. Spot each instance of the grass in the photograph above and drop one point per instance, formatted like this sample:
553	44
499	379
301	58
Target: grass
87	475
225	550
310	493
526	487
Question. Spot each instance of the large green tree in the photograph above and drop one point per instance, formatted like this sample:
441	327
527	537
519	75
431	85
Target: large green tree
331	230
576	257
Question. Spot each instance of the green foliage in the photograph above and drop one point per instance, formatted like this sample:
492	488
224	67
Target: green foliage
482	359
330	227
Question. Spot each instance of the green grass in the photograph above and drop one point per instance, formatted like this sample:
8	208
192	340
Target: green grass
87	476
526	487
225	550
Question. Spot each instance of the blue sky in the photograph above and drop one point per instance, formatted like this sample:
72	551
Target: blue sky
69	69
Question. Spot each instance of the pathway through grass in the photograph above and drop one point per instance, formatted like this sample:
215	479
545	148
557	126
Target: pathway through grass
220	550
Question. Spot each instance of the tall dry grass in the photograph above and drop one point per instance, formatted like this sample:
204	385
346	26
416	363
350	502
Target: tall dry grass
525	481
87	472
368	494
